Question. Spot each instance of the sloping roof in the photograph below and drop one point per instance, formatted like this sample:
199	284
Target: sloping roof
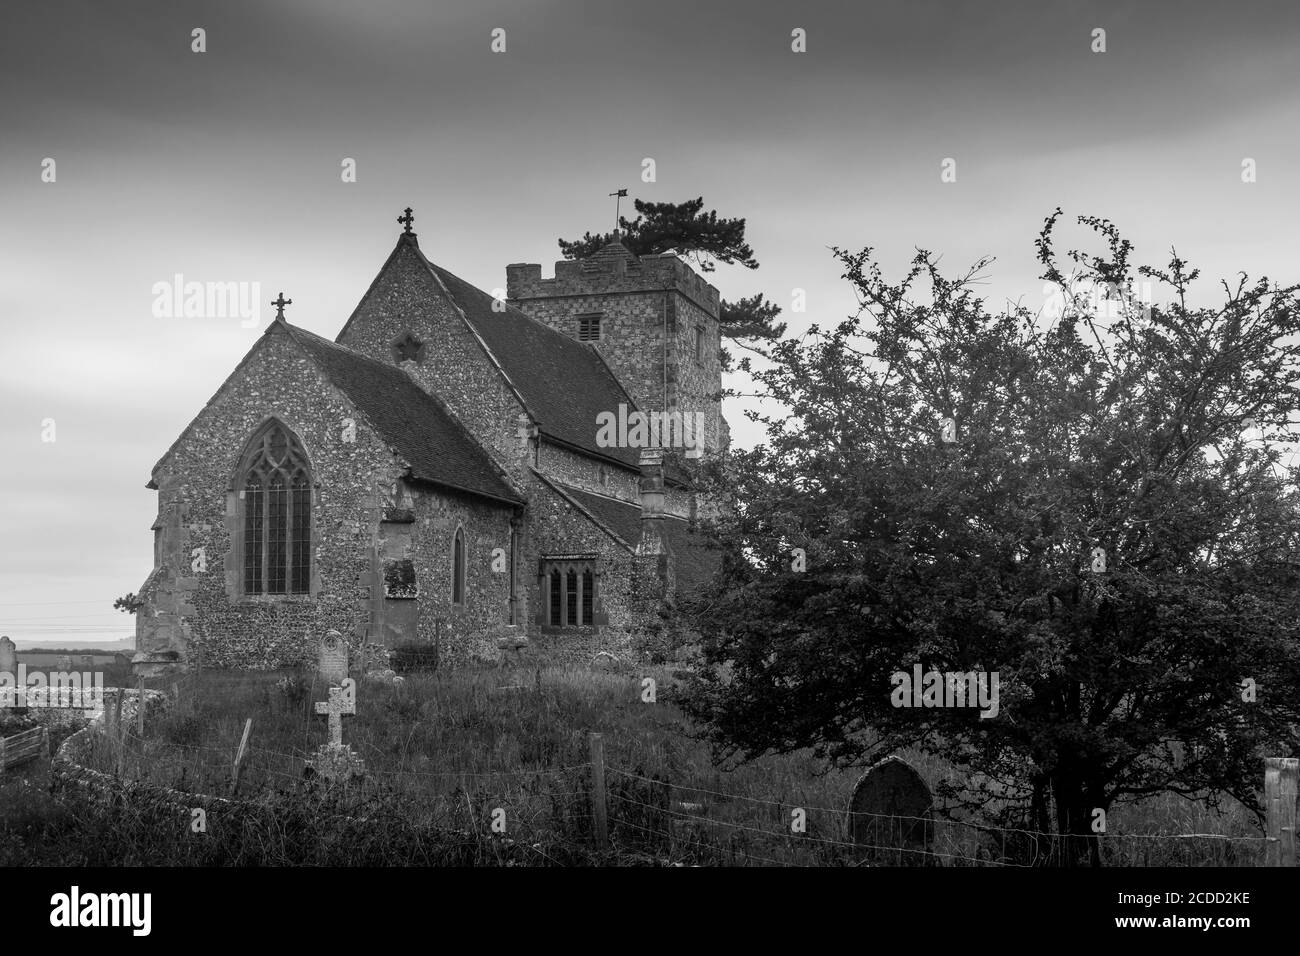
411	421
563	382
694	561
603	258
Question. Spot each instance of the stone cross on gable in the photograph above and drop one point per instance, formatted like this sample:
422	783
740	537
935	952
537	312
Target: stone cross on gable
279	303
407	221
340	704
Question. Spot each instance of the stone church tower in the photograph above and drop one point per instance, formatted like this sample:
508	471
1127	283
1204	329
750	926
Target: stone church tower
652	318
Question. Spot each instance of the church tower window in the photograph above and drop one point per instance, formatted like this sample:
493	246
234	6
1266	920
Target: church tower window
589	327
275	524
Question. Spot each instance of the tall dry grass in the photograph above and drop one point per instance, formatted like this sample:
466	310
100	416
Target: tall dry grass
448	754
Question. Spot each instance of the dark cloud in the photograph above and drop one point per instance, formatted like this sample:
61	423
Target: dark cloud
225	167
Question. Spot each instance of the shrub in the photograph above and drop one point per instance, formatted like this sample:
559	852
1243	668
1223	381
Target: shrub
14	720
185	729
404	709
399	579
292	689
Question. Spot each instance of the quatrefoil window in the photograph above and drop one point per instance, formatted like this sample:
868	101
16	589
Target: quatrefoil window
408	348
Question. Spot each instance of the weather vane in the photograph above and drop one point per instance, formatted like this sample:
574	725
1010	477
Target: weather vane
617	198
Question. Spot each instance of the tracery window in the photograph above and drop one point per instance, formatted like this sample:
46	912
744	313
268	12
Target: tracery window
569	592
275	488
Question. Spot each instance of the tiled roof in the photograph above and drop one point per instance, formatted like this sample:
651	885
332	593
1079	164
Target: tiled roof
564	383
412	422
694	560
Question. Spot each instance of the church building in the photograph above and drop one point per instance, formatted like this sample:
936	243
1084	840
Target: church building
438	474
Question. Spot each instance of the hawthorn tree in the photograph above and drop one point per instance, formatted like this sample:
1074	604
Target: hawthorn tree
1112	529
705	239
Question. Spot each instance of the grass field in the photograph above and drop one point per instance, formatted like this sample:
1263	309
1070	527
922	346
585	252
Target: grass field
449	755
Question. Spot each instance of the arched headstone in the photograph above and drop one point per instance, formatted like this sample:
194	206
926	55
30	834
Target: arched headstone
332	659
889	814
8	659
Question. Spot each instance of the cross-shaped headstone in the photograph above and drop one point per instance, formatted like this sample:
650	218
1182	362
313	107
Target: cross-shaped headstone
406	221
279	304
340	704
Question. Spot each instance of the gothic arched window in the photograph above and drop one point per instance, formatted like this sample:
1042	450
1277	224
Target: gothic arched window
275	485
458	568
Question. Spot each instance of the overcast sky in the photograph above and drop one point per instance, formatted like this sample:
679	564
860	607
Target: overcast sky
225	166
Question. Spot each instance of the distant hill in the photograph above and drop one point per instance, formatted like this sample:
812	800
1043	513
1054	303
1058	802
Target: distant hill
73	647
109	649
75	659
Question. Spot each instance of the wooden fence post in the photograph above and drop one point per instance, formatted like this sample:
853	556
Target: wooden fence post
239	757
115	726
119	731
1280	778
598	809
2	756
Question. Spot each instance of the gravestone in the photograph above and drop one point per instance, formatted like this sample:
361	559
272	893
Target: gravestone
335	761
332	658
890	814
512	643
341	703
8	657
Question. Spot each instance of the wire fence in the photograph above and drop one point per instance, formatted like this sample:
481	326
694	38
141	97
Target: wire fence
546	814
754	826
